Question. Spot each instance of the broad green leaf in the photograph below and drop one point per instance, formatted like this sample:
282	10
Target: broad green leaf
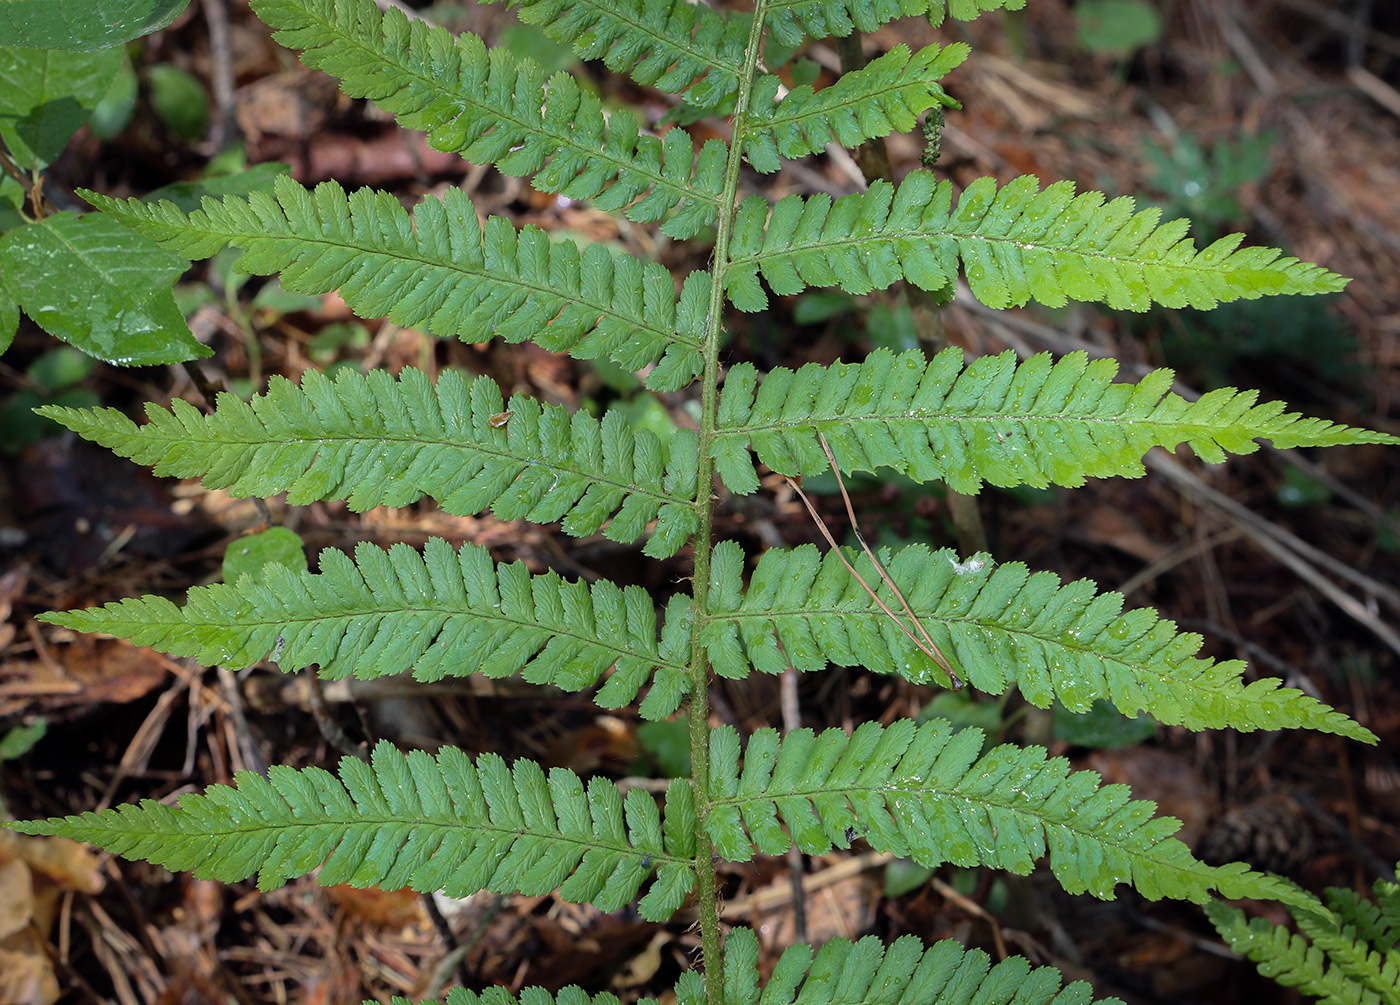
12	197
9	313
100	287
188	195
247	555
83	25
46	96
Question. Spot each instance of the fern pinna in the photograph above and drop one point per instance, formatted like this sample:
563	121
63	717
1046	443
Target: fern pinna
451	822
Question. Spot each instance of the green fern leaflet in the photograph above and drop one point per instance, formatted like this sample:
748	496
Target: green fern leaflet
672	45
429	823
437	269
886	95
380	441
923	792
788	20
1041	422
490	107
1000	625
842	972
1018	243
1343	954
441	613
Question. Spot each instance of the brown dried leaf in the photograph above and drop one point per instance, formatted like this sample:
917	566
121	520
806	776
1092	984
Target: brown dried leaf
26	977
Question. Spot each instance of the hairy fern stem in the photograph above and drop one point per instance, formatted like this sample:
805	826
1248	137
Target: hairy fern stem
706	893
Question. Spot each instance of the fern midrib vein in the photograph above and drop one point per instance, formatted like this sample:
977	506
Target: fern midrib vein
371	57
420	823
872	613
504	279
244	626
860	98
819	242
931	416
317	442
715	60
899	789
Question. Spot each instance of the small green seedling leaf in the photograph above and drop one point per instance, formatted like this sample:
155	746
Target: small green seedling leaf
46	96
189	195
668	744
83	25
1117	27
963	710
1101	726
179	100
248	555
905	876
100	287
20	740
59	369
114	111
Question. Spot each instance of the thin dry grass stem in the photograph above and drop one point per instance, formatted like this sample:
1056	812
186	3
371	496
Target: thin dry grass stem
926	644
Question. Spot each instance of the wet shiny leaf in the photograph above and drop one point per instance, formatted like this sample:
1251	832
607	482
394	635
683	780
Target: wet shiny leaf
100	287
48	96
83	25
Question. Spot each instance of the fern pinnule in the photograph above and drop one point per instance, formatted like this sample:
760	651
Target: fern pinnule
440	613
1040	422
1018	243
428	822
438	269
377	440
1000	625
491	108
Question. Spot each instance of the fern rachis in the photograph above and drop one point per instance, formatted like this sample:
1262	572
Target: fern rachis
461	824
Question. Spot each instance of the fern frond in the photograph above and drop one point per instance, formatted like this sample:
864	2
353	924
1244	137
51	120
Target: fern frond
882	97
1334	969
842	972
1345	944
437	269
788	20
379	441
498	995
429	823
493	108
1000	625
1040	422
868	972
440	613
1017	243
672	45
1378	921
922	792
